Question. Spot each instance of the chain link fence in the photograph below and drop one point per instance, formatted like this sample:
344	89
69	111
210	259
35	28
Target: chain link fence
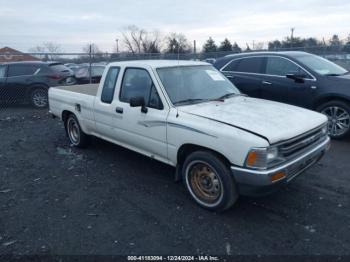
27	84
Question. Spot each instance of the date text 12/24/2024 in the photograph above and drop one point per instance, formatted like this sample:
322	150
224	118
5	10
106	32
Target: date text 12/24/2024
173	258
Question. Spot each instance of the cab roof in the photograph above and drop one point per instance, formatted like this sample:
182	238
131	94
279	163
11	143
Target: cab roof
159	63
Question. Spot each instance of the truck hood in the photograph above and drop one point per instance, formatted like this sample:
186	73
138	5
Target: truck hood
272	120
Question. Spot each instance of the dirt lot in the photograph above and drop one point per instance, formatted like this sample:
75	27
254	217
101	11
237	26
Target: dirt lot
55	199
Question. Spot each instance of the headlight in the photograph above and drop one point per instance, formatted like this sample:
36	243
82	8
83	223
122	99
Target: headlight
261	158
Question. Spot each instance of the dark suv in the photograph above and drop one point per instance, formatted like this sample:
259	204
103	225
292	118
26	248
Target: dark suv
23	82
296	78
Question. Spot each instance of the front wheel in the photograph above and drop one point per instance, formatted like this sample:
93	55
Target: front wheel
338	113
209	181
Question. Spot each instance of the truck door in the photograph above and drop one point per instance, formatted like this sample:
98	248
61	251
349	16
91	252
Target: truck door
144	130
105	115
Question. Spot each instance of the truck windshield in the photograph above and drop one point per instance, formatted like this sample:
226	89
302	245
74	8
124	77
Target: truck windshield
322	66
195	84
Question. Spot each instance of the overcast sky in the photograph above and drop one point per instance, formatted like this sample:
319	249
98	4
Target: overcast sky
74	23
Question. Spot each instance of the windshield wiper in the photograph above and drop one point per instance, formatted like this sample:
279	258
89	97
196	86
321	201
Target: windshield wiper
190	100
227	96
333	75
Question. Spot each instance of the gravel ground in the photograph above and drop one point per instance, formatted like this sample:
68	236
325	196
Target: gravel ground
55	199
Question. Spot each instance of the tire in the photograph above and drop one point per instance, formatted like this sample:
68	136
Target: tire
39	98
338	113
76	135
209	181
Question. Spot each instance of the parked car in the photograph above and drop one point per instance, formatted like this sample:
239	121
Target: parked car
82	74
188	115
70	65
23	82
296	78
210	60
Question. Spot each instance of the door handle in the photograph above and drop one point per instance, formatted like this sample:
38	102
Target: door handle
230	76
119	110
266	83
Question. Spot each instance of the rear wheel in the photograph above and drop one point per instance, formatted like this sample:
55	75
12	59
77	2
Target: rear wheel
75	134
338	113
39	98
209	181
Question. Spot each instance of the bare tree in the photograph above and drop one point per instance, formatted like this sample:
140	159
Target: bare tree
38	51
52	49
152	42
96	53
132	38
138	40
177	43
94	49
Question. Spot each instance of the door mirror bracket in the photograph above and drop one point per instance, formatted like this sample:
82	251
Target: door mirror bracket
139	102
296	78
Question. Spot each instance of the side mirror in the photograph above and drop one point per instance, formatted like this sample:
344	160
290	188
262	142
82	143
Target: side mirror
139	102
296	78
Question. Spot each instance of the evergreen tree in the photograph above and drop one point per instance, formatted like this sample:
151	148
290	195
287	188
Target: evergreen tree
210	46
236	48
225	46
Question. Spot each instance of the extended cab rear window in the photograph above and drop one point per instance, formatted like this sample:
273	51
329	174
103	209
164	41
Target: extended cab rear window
109	85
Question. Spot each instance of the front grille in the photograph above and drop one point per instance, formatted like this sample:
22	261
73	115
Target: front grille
297	168
297	145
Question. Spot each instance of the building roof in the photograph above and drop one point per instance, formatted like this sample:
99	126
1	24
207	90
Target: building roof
8	54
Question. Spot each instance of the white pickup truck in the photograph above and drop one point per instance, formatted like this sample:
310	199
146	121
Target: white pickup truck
188	115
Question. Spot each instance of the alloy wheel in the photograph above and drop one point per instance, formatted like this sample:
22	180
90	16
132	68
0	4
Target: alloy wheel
338	120
39	98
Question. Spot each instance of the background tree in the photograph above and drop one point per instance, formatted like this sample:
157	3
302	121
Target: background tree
133	36
38	51
210	46
225	46
96	53
177	43
53	49
275	45
335	43
151	42
236	48
138	40
346	47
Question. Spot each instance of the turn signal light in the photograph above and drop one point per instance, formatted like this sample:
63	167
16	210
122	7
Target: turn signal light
277	176
252	158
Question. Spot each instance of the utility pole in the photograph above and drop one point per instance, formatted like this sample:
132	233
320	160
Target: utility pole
292	36
117	40
90	58
195	49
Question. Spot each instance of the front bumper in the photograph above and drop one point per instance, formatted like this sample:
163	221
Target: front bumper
259	182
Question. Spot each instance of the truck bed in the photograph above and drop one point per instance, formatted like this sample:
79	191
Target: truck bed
88	89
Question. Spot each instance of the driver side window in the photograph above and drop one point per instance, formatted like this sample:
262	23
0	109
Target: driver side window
138	83
281	67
